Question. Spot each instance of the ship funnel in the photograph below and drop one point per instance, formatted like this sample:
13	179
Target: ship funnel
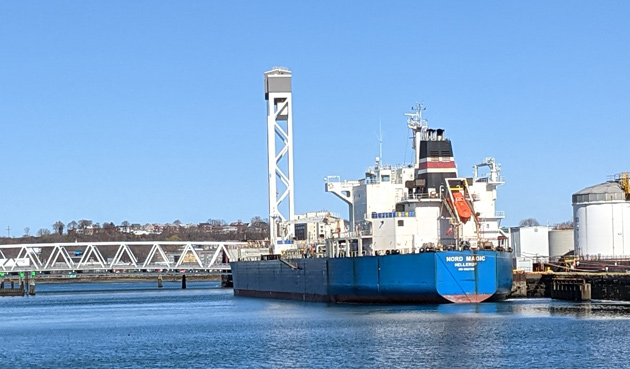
440	134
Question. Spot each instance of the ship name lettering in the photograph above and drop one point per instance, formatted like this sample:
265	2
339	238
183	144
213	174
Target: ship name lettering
454	258
462	265
476	258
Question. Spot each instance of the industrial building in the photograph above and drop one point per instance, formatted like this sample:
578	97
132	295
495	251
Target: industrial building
530	242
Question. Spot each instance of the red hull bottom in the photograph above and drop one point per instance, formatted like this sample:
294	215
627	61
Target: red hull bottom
458	299
468	299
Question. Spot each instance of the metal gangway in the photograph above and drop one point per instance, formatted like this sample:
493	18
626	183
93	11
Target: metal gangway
210	256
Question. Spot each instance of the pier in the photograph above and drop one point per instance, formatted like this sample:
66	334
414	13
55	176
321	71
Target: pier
9	288
573	286
574	289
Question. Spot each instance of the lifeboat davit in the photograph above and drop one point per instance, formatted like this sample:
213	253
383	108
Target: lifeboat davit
463	210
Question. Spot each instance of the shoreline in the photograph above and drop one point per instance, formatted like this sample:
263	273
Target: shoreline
122	277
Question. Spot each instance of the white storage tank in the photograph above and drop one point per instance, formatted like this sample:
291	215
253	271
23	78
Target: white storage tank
531	242
601	216
560	242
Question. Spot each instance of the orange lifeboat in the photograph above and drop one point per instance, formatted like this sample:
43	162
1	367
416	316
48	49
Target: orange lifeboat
463	210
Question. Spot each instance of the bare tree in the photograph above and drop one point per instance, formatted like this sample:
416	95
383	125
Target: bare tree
177	222
109	227
58	227
84	223
43	232
27	230
216	222
529	222
72	226
565	225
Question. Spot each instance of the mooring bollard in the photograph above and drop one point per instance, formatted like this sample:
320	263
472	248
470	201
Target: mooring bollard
184	282
160	281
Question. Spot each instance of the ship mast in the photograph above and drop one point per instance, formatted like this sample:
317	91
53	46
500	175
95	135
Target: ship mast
419	126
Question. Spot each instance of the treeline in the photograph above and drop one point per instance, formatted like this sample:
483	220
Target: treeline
87	231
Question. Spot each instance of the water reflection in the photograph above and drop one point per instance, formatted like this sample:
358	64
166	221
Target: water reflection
192	328
484	308
586	310
545	307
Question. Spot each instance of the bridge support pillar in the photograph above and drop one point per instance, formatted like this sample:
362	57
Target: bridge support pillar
184	282
160	281
226	280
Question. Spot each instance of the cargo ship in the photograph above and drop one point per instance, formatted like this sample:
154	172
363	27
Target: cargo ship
417	233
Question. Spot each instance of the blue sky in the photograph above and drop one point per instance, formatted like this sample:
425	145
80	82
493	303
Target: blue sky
151	111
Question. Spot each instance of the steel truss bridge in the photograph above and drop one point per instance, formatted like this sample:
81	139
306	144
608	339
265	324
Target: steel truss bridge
119	256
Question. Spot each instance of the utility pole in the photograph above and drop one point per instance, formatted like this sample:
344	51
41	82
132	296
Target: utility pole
9	231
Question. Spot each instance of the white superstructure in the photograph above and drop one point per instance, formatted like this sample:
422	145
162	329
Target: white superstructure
423	206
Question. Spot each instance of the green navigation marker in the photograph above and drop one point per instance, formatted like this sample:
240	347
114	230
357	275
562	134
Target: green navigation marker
21	274
1	274
33	273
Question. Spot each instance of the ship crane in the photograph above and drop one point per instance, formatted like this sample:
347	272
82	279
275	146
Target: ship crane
495	171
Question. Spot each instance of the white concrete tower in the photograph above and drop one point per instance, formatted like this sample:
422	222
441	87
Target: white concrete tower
280	154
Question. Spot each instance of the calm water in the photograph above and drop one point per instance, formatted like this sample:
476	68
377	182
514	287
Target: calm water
135	325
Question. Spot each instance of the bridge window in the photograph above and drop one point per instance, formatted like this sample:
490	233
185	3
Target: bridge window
401	223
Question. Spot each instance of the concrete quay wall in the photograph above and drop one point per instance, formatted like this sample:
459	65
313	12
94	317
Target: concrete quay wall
604	286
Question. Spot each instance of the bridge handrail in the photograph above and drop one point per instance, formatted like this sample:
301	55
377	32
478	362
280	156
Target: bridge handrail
64	255
104	243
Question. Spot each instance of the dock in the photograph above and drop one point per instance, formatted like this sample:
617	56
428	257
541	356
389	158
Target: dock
576	286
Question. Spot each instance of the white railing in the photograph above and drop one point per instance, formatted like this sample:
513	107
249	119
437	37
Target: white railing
107	256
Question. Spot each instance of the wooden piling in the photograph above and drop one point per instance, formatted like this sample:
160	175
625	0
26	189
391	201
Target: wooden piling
160	282
4	291
31	287
574	289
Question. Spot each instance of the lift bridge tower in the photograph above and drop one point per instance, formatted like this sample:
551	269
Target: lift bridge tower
280	155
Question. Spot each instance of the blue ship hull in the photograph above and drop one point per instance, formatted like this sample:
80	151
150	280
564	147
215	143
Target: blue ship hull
431	277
